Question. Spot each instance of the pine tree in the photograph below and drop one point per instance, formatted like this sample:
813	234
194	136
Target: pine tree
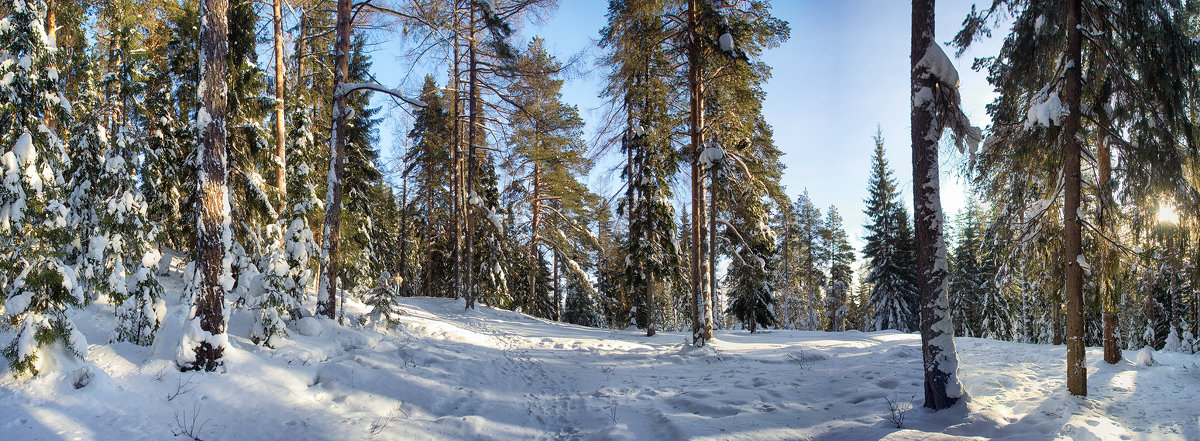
548	147
639	88
88	142
204	339
383	300
1139	73
888	250
33	219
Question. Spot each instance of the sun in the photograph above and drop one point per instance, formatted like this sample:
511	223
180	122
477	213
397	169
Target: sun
1167	214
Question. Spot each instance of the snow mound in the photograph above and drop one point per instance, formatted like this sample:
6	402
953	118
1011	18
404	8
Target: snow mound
310	326
1145	357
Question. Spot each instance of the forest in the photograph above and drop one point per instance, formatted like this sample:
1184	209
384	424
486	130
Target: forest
217	165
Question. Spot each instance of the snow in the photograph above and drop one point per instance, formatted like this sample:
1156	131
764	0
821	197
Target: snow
310	326
938	65
1145	357
23	150
446	373
346	88
18	303
726	42
710	156
489	7
1047	113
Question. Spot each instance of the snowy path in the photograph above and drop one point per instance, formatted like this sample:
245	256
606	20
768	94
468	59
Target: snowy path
445	373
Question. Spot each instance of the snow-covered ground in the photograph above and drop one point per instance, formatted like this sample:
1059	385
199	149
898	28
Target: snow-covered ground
445	373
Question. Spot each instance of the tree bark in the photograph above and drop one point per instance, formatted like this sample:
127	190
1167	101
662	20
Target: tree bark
1108	293
650	329
533	235
711	300
327	297
1072	235
280	177
942	388
403	270
212	223
701	306
557	291
51	20
472	194
456	160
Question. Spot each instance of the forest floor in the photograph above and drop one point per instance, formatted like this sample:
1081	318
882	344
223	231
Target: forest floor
446	373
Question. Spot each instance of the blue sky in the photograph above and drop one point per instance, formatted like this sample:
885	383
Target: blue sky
843	72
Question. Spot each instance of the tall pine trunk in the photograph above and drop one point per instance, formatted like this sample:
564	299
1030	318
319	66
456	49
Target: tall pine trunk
557	291
942	388
1072	236
472	133
280	177
710	301
456	157
212	223
533	235
327	297
701	302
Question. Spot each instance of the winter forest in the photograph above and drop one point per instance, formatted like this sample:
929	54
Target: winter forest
219	221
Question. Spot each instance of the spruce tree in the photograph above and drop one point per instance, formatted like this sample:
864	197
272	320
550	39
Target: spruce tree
841	272
750	290
429	165
33	218
888	250
364	193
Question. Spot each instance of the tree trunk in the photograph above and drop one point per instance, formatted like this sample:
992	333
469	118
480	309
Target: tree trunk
280	176
403	270
701	307
557	291
650	329
51	19
472	194
533	235
426	281
212	223
942	388
327	297
1072	236
456	159
1108	293
711	300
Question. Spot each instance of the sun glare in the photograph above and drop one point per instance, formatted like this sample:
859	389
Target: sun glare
1167	214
